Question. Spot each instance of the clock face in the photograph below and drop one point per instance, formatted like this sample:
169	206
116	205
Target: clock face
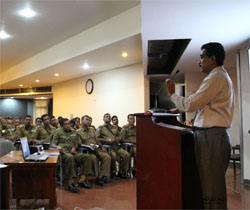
89	86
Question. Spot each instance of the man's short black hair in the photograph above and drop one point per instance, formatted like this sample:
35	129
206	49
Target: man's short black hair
38	118
114	117
43	116
106	114
29	116
52	117
130	115
215	49
85	116
62	120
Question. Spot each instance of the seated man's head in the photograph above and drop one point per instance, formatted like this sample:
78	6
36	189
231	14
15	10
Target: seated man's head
107	118
45	119
38	121
65	124
85	121
115	120
27	120
131	119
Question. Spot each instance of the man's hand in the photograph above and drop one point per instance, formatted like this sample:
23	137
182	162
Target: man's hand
104	149
73	150
170	86
175	111
117	139
60	149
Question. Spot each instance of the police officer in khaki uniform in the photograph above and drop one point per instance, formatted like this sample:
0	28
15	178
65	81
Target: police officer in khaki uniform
115	122
6	130
109	134
87	136
27	129
90	123
128	135
44	132
65	140
54	122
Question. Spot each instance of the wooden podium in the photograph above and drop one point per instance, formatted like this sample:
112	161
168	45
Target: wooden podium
167	177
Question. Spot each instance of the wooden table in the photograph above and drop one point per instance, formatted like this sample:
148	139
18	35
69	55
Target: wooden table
31	180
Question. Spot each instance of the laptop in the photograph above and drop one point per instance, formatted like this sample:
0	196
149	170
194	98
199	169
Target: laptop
26	152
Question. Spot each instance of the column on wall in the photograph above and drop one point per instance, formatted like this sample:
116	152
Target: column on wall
40	107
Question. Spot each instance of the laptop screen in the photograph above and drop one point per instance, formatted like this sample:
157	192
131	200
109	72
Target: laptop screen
25	147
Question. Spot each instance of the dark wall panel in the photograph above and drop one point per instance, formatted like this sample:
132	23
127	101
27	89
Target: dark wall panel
16	107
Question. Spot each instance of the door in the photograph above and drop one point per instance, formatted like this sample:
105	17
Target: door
243	72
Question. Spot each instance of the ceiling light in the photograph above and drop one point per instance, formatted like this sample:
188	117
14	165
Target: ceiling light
37	80
21	85
124	54
86	66
56	75
4	35
27	12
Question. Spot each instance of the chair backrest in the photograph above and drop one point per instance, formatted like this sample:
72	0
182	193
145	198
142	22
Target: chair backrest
5	146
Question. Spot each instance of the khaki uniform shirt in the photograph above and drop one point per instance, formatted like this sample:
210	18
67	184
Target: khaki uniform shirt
87	136
107	131
7	132
128	132
23	131
44	133
66	140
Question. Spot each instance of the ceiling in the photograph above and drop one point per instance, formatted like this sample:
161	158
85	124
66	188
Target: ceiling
56	21
225	21
72	68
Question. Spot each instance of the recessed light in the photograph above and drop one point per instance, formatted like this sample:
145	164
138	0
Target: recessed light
124	54
4	35
21	85
37	80
85	66
27	12
56	75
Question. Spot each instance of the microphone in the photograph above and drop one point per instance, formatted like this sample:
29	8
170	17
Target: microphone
177	72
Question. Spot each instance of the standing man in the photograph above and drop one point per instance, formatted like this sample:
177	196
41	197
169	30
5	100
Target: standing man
87	136
109	134
214	106
128	135
66	142
44	131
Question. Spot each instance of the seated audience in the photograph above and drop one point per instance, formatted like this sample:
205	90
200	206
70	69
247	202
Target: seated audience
54	122
65	140
87	136
109	134
44	131
115	122
27	129
128	135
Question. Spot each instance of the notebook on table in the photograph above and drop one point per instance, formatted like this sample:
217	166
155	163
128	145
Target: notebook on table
26	152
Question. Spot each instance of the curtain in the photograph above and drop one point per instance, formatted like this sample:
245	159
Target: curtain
40	107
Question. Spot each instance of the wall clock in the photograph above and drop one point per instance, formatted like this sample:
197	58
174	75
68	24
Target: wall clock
89	86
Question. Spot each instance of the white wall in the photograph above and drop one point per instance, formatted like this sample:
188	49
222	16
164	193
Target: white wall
118	92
